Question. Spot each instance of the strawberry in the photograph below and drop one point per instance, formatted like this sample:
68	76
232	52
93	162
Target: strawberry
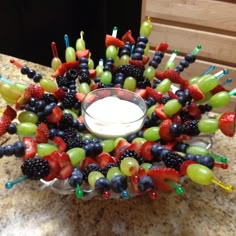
9	112
64	67
162	47
161	175
60	143
110	40
127	37
160	113
195	92
135	146
227	122
80	96
55	116
23	99
137	63
42	133
66	167
87	161
218	89
184	166
145	59
80	119
121	145
172	95
30	147
141	92
92	73
36	91
194	111
54	168
176	118
103	159
59	94
5	121
164	130
146	150
82	53
154	93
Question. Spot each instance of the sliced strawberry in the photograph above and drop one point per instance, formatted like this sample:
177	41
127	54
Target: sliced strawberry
5	121
80	96
162	47
194	111
82	53
59	94
64	67
36	91
184	166
160	113
127	37
80	119
103	159
217	89
170	145
65	164
121	145
54	168
55	116
42	133
145	59
30	147
172	95
160	176
23	99
227	123
9	112
195	92
154	93
138	63
87	161
60	143
141	92
110	40
92	73
146	150
164	130
93	86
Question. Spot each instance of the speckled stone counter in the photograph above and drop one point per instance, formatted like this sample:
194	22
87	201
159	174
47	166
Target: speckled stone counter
201	210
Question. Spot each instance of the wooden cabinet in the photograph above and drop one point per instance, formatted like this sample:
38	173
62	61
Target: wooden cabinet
184	24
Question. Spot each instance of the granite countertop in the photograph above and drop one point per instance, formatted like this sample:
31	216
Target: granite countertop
201	210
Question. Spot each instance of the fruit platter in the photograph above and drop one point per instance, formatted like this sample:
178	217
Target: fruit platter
151	130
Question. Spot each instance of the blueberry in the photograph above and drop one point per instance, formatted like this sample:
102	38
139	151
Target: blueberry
97	148
125	51
76	178
119	183
153	63
19	148
157	59
37	77
139	50
206	161
137	56
142	39
145	184
163	154
102	184
131	137
24	70
1	152
89	149
191	157
39	105
81	127
156	151
8	150
11	129
176	129
83	60
48	109
190	58
31	73
159	54
52	133
83	66
181	147
60	133
141	45
184	63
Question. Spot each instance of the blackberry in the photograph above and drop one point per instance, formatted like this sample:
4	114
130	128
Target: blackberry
62	81
173	160
69	100
107	167
49	98
184	115
70	132
35	168
72	74
131	153
190	128
131	70
73	141
90	168
84	77
66	121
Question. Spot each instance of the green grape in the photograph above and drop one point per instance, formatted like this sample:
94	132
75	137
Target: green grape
80	43
172	107
76	155
75	116
200	174
55	64
151	110
129	166
164	86
87	136
70	54
99	71
219	99
8	100
117	61
28	116
194	80
93	177
113	171
146	166
207	84
117	140
146	28
139	140
201	78
152	133
20	87
111	52
170	65
146	50
84	88
130	84
26	129
90	64
106	77
44	149
149	72
208	95
107	145
10	92
208	126
48	85
197	150
124	60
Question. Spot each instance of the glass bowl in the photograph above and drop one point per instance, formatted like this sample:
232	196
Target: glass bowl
113	112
